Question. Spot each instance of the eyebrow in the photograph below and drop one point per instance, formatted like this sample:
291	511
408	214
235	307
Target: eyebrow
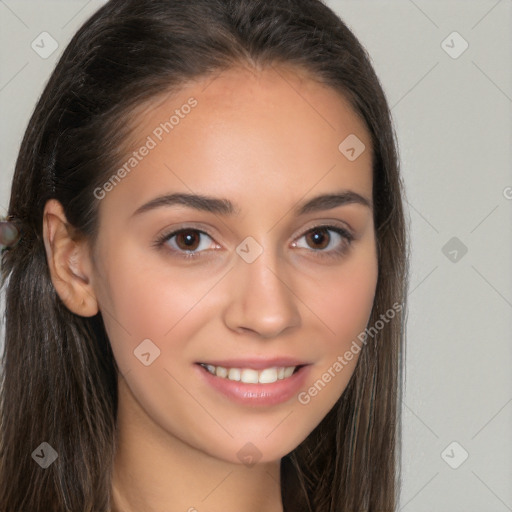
225	207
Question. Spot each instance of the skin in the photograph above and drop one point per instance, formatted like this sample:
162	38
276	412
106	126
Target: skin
266	140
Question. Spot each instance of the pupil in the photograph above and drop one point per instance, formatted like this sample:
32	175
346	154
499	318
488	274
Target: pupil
319	236
188	238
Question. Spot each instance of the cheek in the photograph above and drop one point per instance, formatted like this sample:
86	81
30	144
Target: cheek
351	304
147	295
142	298
345	305
344	299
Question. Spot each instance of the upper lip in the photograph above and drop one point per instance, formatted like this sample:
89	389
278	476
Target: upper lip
255	363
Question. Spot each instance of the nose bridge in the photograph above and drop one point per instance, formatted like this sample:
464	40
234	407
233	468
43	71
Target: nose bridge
261	299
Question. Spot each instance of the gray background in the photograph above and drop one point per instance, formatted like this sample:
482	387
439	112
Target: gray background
453	119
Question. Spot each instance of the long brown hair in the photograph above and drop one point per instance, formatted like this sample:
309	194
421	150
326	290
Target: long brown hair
59	374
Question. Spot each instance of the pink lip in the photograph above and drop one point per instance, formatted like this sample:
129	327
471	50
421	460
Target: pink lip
257	364
256	394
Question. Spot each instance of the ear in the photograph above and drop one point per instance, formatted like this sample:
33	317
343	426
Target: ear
69	261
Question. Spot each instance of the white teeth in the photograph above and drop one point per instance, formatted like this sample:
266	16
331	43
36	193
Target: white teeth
220	371
288	372
234	374
268	375
250	376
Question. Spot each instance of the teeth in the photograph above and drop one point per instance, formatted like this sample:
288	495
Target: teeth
268	375
250	376
234	374
288	372
220	371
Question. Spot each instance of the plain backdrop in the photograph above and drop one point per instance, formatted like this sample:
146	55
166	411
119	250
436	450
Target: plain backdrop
446	69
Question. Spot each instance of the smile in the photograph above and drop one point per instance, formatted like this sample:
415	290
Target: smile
251	376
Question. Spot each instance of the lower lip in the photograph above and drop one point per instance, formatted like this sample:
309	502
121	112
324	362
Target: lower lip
257	394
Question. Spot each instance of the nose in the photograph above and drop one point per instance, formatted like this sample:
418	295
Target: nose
261	300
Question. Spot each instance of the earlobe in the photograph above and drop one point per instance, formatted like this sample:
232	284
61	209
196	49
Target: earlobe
68	261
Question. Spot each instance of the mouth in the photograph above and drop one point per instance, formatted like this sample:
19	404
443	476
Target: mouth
256	382
246	375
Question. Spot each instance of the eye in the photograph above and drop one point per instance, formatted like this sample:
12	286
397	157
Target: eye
326	240
323	241
186	242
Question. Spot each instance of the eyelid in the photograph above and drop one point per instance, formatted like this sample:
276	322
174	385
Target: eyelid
169	233
342	228
327	223
338	252
193	226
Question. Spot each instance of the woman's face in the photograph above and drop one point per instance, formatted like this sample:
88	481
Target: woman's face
255	280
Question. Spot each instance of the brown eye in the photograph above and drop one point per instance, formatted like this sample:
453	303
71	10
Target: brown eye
188	240
319	238
326	241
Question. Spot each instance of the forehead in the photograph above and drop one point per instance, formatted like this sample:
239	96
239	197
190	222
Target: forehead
247	132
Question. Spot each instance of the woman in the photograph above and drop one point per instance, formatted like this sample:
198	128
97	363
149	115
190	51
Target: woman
205	308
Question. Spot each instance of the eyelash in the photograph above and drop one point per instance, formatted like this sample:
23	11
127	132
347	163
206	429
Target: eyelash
347	239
